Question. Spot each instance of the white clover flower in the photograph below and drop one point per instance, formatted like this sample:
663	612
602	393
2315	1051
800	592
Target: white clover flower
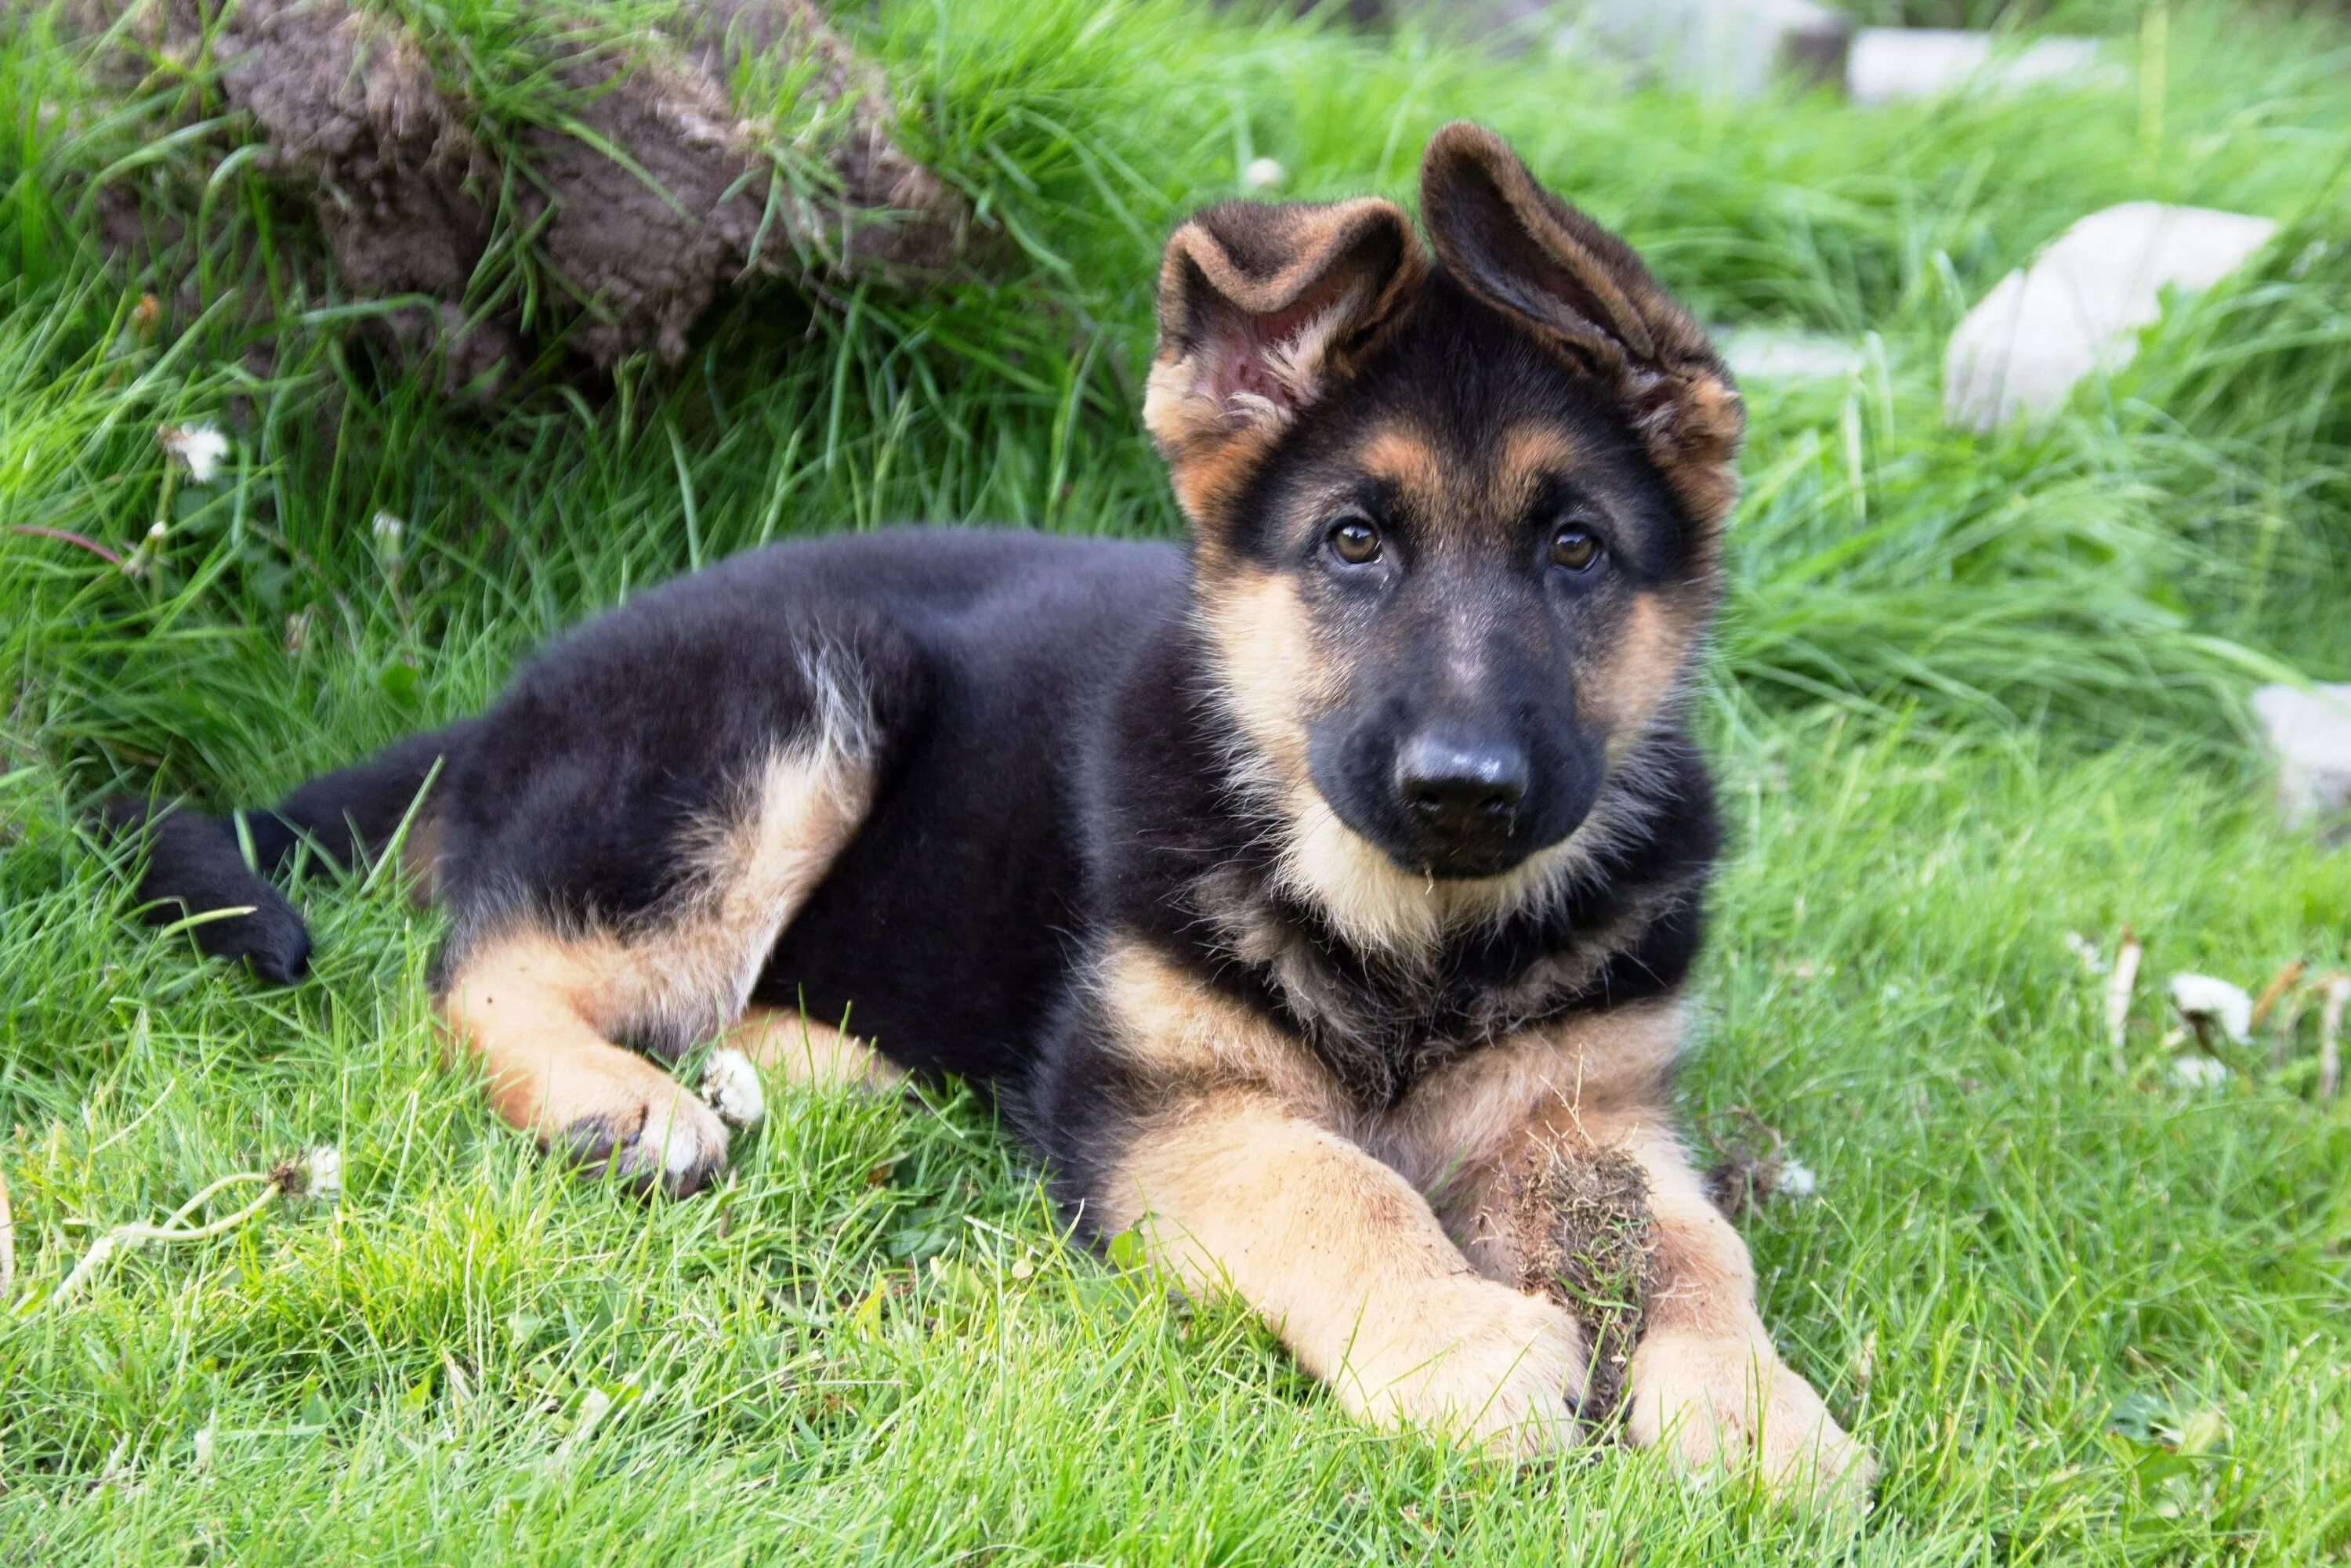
1262	175
322	1174
2198	1071
200	449
2203	1000
1796	1180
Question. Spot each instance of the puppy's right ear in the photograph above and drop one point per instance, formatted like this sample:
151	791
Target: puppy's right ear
1263	308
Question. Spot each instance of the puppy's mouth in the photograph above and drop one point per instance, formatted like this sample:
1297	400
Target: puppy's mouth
1477	852
1468	864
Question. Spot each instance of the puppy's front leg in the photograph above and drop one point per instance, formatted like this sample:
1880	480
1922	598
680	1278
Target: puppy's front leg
1344	1260
1705	1378
1524	1142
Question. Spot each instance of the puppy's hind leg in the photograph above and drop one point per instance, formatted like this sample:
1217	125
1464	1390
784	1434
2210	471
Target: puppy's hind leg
804	1052
535	1008
547	988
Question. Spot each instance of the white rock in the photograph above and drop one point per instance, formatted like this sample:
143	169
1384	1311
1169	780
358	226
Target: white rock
2081	304
1731	49
1897	65
2202	998
2310	735
1757	354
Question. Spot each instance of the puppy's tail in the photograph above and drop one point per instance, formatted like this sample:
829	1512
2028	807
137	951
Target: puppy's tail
195	866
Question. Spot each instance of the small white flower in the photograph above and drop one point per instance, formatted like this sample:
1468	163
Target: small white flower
1262	175
2202	999
389	531
2084	949
205	1446
199	447
1796	1180
2198	1071
322	1174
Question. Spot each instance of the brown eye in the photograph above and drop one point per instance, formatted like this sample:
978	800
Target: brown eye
1355	541
1573	548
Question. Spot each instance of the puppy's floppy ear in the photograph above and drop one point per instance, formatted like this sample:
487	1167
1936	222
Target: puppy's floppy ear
1523	251
1261	308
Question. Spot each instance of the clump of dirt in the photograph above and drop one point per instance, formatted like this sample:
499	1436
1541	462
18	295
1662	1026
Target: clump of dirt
348	104
887	211
1754	1166
1578	1220
647	203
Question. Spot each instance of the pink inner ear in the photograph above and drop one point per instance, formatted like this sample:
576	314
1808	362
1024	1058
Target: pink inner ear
1245	347
1245	370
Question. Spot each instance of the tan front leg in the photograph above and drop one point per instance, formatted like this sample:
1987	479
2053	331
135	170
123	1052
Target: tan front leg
1704	1380
1346	1262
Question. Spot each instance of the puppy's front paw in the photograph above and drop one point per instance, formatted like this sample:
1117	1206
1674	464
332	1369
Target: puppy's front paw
1731	1401
1475	1360
648	1127
730	1086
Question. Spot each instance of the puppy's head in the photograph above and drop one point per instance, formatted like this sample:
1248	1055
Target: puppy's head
1456	520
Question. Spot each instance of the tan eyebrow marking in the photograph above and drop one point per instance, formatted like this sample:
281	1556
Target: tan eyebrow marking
1406	460
1528	453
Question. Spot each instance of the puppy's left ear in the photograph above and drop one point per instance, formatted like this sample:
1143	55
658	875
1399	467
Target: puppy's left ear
1523	251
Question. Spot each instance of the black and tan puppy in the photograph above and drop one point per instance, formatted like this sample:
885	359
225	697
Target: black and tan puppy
1298	893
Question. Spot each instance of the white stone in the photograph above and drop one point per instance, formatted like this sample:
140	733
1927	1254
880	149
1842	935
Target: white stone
2202	999
2080	307
1757	354
1898	64
2309	734
1733	48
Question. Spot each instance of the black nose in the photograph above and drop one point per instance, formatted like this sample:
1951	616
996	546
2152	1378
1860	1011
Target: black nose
1461	790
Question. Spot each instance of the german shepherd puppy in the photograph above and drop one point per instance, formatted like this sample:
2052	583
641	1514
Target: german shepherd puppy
1298	893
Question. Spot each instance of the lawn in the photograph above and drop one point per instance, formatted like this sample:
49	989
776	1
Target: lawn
1977	704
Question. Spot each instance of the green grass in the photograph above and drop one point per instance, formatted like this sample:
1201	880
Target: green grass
1972	695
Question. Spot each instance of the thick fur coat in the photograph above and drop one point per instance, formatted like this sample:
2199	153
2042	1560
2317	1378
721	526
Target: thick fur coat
1312	896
